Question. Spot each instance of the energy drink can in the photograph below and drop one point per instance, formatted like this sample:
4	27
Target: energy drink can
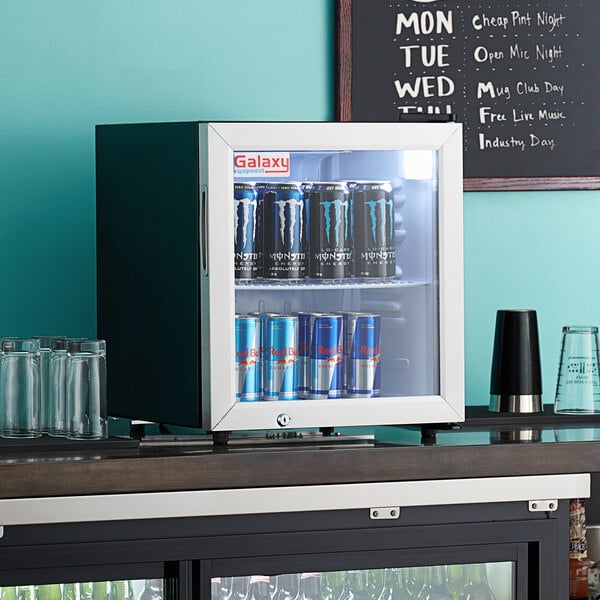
326	357
262	317
306	187
331	246
374	236
284	246
362	350
281	368
261	188
247	358
246	251
304	329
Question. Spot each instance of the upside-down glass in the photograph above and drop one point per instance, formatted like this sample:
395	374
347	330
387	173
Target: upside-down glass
86	416
44	368
57	390
20	388
578	384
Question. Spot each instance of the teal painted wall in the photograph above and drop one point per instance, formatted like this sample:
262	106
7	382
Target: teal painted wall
66	65
533	250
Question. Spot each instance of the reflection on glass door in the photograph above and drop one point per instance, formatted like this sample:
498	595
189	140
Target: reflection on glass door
475	581
336	274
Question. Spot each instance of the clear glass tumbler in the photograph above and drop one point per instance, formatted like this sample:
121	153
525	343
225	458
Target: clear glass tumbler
57	387
44	373
20	388
86	413
578	385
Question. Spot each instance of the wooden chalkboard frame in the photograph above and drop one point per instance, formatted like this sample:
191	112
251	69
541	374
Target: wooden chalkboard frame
343	107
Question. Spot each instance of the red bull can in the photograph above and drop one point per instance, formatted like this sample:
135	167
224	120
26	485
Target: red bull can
281	358
262	317
362	353
305	329
326	357
247	358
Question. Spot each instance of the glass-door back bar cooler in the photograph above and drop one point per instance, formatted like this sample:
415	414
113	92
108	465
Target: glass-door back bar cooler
499	551
281	275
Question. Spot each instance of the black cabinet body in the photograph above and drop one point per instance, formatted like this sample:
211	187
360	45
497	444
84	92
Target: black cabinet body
188	552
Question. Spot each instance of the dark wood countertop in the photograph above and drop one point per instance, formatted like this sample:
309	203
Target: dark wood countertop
477	450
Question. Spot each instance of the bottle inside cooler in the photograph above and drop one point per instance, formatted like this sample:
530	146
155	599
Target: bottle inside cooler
345	245
485	581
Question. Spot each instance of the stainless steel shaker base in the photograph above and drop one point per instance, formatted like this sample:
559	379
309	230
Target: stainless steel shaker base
516	403
516	436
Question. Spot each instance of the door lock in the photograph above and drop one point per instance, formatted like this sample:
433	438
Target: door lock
283	420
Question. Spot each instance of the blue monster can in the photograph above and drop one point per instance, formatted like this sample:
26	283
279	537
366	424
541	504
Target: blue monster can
362	352
281	358
247	358
326	357
246	250
306	190
331	246
373	230
261	188
284	245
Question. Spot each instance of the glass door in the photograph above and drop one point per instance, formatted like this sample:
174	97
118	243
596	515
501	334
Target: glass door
138	589
340	272
480	581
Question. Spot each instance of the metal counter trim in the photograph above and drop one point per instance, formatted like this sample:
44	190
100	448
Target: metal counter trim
162	505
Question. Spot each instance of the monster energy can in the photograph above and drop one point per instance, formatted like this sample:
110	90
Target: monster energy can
330	232
284	248
374	237
246	252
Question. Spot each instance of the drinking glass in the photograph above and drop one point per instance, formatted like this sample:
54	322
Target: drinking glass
20	388
44	369
86	416
578	384
57	390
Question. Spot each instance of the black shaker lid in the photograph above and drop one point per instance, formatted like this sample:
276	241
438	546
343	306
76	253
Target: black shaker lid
516	366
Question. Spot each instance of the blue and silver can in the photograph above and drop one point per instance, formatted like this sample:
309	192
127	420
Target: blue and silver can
326	357
262	317
247	358
246	251
284	245
281	358
362	350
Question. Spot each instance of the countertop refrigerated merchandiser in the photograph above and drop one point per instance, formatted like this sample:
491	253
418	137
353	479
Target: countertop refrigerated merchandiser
281	275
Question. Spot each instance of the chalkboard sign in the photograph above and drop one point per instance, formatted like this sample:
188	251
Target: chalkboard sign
522	76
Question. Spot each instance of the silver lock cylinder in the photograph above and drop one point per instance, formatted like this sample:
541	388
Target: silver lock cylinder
283	420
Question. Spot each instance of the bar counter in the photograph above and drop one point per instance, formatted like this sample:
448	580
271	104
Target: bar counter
484	446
